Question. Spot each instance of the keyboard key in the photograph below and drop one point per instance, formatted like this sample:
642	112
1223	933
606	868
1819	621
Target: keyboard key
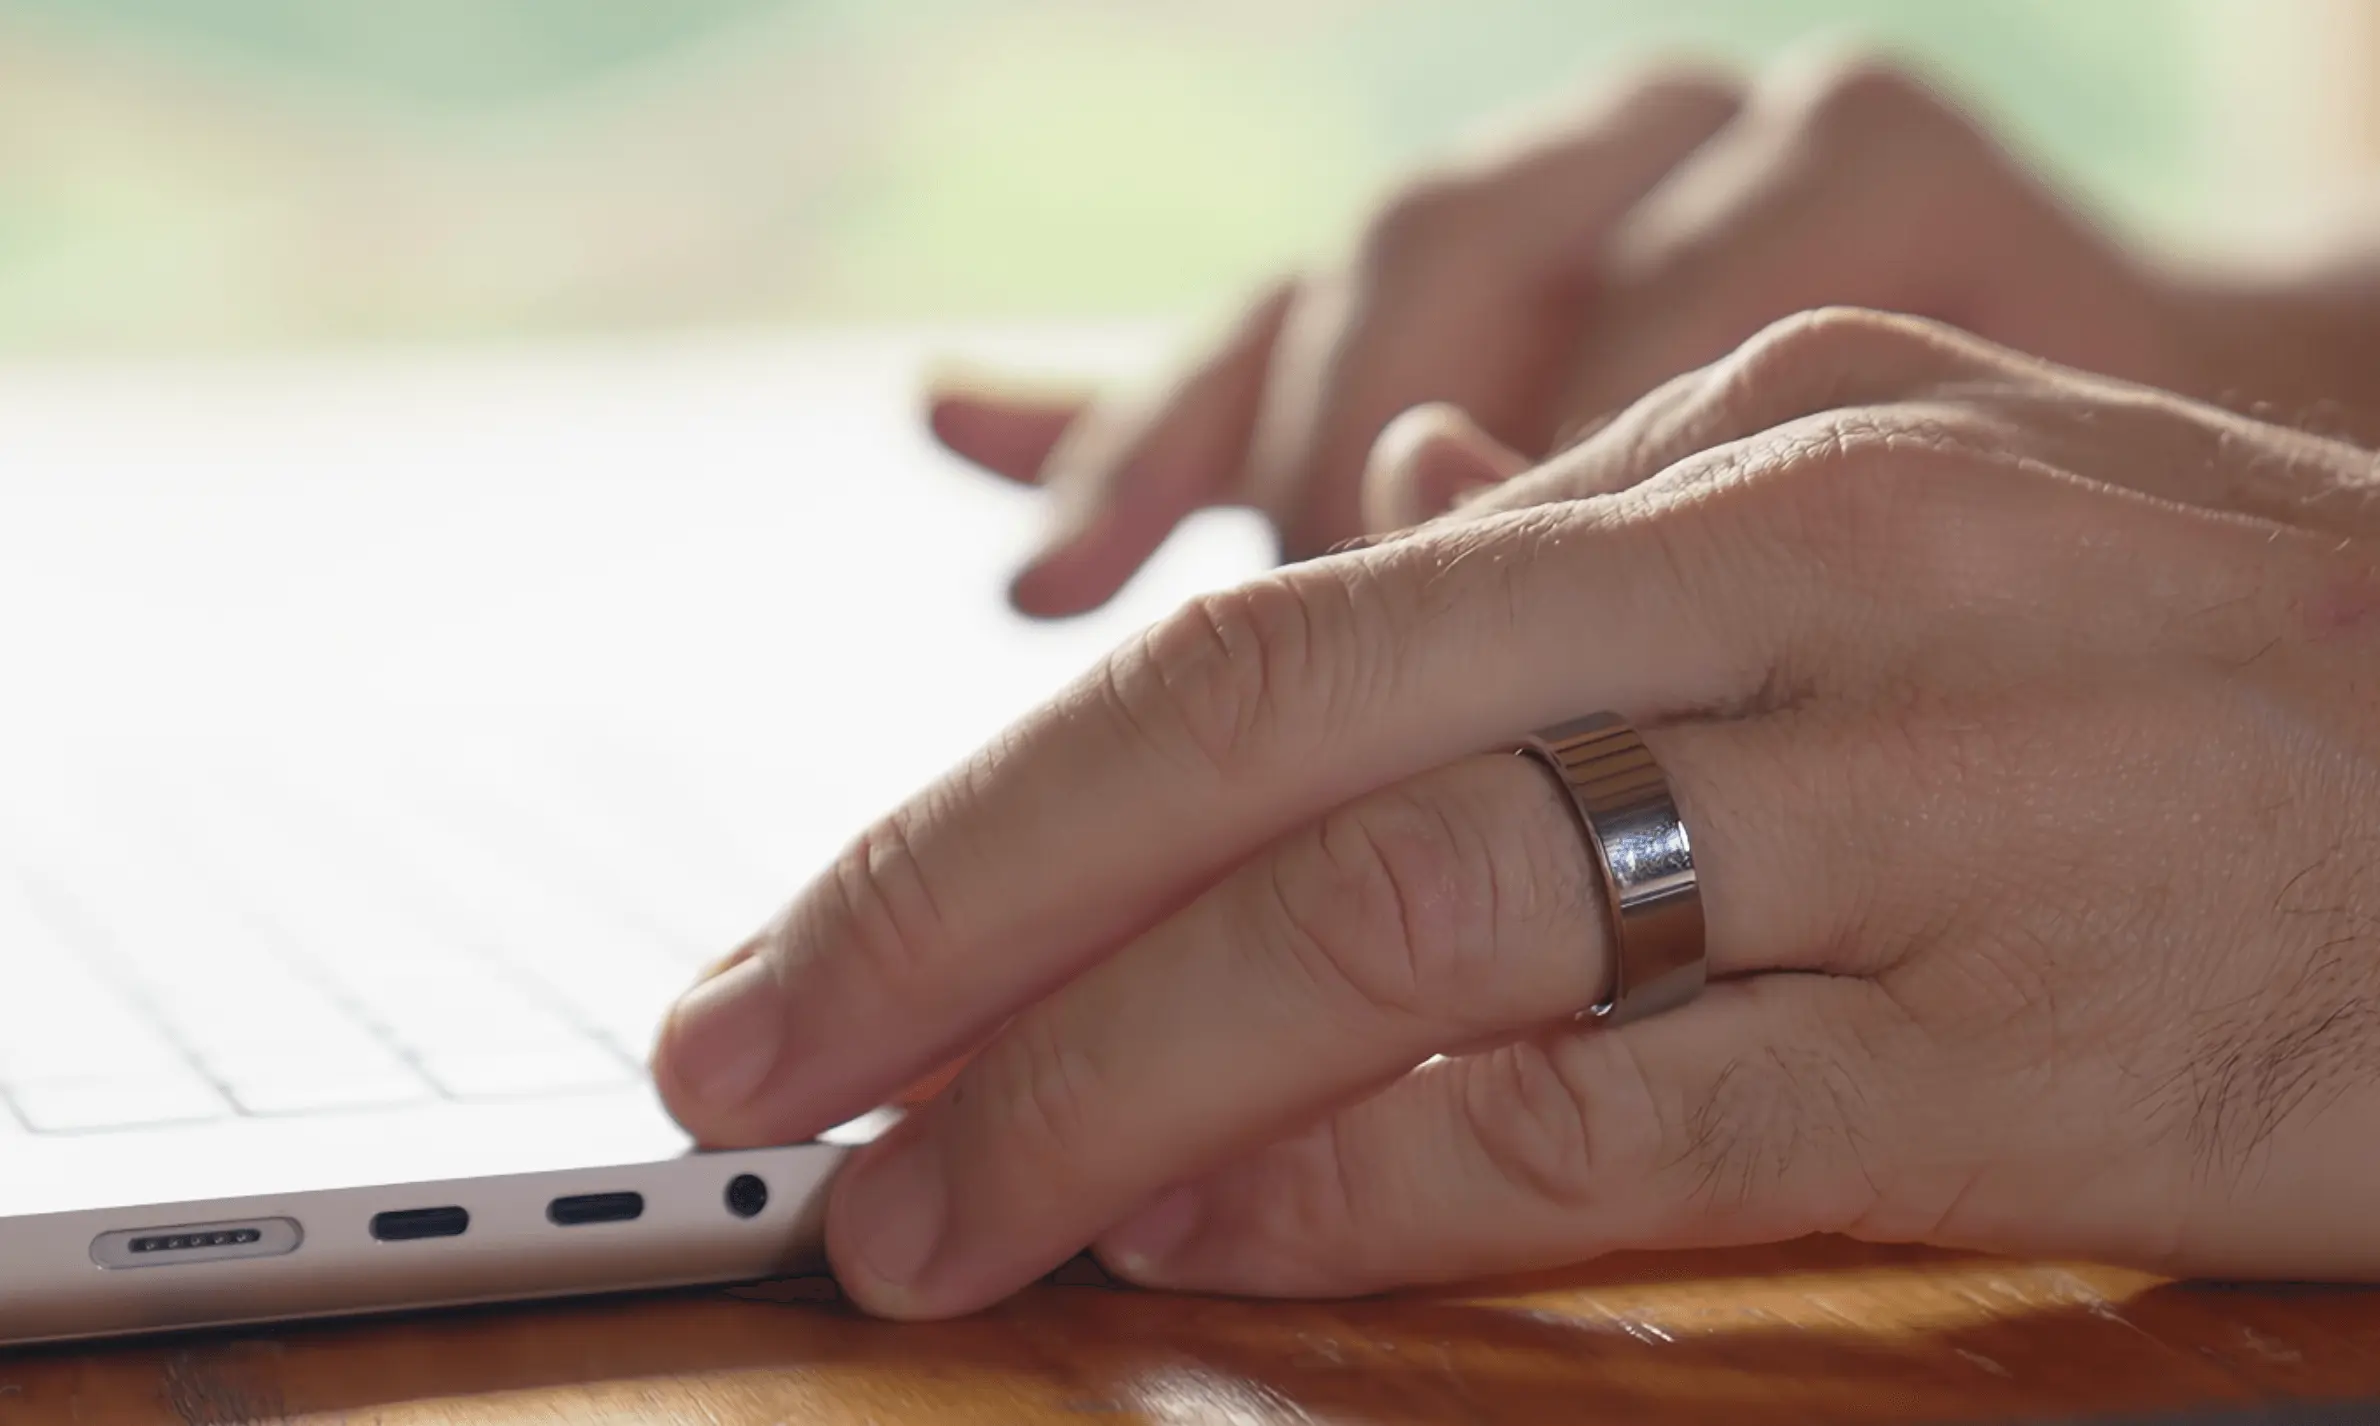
76	1051
646	865
509	1074
58	1018
61	1108
273	970
464	1004
308	1094
535	917
629	1007
213	979
298	1058
52	1025
425	986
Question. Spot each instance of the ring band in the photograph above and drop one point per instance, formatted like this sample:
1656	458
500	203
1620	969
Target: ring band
1623	805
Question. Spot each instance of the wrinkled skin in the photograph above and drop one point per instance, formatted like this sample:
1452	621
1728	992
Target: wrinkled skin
2026	721
2027	727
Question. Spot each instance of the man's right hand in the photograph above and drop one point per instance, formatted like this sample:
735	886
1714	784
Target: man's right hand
1570	271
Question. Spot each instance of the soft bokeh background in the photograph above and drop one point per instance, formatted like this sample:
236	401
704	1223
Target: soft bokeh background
206	174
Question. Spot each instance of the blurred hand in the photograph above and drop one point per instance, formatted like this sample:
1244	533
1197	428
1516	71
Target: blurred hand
1563	276
2026	727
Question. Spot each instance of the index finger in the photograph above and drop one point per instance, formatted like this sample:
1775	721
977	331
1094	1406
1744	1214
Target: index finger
1225	726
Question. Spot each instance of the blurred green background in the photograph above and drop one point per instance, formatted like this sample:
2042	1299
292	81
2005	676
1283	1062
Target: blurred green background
211	173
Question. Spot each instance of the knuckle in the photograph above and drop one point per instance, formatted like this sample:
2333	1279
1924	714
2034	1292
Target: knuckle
1877	498
1656	97
1562	1121
1681	83
1443	212
1043	1094
1859	96
1426	215
1392	902
1318	1208
887	906
1332	1204
1211	684
1816	350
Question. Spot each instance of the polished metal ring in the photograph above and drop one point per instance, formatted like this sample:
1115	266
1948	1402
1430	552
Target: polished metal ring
1631	822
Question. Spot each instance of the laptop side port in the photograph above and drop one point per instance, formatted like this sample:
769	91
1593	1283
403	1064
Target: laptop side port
196	1242
747	1195
595	1208
404	1225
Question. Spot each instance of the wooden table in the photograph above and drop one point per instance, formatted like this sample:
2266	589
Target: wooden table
1822	1331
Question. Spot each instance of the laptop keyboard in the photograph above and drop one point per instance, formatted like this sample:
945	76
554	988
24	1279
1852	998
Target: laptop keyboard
251	955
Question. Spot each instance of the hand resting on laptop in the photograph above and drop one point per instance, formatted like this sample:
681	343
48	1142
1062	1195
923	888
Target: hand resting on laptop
2023	719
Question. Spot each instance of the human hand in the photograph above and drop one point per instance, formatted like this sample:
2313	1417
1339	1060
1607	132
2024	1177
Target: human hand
1562	276
2026	729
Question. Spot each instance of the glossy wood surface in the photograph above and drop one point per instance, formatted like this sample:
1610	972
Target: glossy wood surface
1822	1331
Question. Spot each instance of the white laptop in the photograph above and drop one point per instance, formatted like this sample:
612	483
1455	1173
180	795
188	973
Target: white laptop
385	742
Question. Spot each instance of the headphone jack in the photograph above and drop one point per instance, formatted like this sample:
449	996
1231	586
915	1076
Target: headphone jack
747	1194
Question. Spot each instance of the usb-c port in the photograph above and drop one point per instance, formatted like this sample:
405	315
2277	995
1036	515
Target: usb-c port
595	1208
406	1224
